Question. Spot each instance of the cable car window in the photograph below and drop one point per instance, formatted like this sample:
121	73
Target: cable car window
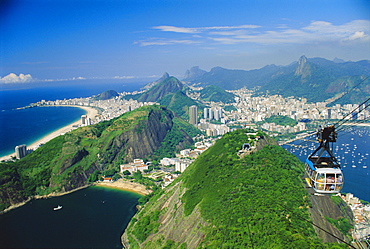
330	178
314	173
320	177
339	178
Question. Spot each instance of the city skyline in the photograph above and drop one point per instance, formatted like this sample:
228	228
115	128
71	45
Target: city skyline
51	40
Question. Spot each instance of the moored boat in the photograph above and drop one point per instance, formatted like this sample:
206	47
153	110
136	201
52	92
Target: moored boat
57	208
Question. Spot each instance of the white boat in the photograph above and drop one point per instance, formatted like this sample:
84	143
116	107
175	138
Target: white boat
57	208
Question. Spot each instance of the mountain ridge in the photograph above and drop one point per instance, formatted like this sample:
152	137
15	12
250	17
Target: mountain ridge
312	78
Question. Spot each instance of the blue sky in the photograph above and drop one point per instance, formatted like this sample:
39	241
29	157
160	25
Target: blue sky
63	39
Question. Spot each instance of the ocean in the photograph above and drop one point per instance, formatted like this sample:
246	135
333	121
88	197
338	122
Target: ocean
26	126
94	217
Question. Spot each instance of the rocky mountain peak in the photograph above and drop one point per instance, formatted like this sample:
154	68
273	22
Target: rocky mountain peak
301	65
194	72
164	76
150	85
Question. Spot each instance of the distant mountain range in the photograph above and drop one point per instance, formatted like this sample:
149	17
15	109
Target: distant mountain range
316	79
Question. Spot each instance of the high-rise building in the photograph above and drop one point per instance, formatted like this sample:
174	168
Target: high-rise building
193	115
20	151
205	113
88	121
83	119
329	113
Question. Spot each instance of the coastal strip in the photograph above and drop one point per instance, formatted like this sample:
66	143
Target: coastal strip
90	112
119	184
127	186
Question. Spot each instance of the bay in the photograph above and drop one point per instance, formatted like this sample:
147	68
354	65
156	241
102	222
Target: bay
29	125
94	217
352	150
26	126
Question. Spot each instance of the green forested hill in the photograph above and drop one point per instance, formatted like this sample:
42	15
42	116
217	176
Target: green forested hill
106	95
281	120
179	102
168	85
224	201
216	94
67	161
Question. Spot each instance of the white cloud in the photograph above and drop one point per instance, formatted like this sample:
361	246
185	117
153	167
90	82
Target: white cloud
13	78
160	41
358	35
177	29
314	32
201	29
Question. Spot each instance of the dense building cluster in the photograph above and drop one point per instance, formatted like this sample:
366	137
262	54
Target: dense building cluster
254	109
361	213
109	109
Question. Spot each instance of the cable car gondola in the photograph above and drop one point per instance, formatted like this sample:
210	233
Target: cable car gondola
323	171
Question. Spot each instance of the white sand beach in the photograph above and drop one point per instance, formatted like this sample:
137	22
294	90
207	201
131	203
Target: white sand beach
126	185
90	113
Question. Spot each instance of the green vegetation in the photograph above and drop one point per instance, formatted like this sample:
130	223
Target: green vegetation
179	103
342	224
158	91
216	94
146	225
107	95
321	81
85	154
251	202
317	80
175	140
236	79
281	120
230	108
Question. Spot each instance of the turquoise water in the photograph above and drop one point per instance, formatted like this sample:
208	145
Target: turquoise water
94	217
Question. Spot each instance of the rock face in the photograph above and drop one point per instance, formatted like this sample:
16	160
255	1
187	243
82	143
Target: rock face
150	85
303	68
323	206
67	162
144	139
194	72
174	224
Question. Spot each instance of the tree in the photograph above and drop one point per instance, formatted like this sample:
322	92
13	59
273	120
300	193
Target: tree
137	175
126	173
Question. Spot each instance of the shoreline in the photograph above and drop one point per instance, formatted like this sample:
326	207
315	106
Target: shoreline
37	197
91	112
126	186
119	184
